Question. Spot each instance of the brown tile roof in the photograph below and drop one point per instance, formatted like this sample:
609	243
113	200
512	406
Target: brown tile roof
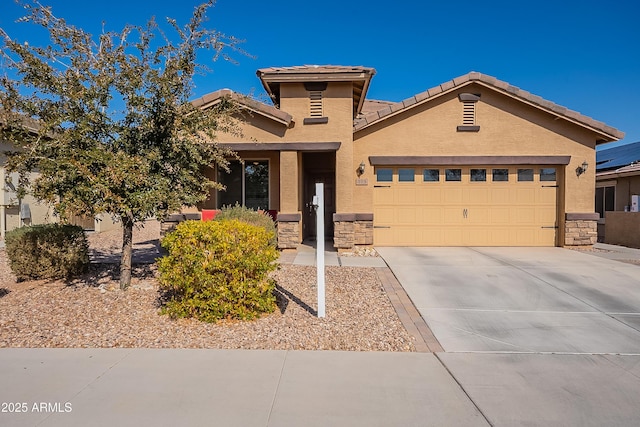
272	77
609	133
371	105
314	69
246	102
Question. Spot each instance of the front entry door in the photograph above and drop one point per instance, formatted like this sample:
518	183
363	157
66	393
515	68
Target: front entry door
309	220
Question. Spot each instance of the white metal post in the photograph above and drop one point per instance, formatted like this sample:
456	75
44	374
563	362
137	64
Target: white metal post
320	246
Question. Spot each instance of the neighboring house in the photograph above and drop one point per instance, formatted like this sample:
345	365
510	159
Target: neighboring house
471	162
617	181
15	212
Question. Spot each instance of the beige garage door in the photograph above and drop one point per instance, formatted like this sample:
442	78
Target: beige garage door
465	206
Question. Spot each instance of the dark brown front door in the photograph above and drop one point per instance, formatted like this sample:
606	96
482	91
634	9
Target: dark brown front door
309	220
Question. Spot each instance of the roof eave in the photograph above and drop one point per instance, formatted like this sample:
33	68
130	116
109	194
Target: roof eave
607	134
245	103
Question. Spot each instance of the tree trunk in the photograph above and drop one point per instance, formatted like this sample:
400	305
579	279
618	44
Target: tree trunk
127	249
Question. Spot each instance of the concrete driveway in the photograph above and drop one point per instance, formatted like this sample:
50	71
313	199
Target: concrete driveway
534	336
548	300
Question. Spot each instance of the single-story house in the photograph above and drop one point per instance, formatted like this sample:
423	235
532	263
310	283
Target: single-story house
617	182
17	212
473	161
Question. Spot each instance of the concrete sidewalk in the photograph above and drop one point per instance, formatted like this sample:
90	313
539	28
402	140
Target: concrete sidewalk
306	255
133	387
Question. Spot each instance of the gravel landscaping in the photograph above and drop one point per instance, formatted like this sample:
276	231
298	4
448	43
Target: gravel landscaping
93	312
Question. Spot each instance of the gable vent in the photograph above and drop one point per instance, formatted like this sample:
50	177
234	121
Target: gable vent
469	102
468	113
316	104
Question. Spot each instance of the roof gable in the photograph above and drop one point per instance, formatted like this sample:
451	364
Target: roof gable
273	77
607	133
252	105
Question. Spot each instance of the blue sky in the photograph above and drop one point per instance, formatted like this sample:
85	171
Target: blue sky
583	55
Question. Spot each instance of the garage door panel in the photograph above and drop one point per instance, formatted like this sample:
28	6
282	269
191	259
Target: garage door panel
500	196
406	234
452	195
477	236
547	195
407	215
452	215
383	237
525	195
429	195
500	215
384	215
452	236
446	213
406	195
525	215
430	215
478	215
478	195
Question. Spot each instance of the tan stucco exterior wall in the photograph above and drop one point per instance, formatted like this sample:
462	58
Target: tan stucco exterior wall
337	107
618	226
41	213
507	128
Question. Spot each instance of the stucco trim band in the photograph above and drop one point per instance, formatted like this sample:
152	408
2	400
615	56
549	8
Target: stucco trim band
582	216
341	217
282	146
289	217
468	160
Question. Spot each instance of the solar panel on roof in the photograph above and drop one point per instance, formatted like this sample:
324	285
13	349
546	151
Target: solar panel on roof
616	157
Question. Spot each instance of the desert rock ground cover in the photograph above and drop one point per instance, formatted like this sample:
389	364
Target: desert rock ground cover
93	312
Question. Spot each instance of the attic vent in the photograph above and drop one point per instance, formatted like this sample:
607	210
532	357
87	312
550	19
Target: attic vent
316	113
316	104
468	113
469	102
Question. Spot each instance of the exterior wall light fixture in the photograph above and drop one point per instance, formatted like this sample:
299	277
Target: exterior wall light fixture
361	168
582	168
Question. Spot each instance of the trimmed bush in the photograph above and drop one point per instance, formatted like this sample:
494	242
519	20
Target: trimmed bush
248	215
48	251
218	270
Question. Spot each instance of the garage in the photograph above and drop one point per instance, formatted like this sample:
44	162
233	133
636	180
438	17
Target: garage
456	205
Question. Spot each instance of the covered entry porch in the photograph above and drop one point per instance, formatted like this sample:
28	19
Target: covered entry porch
280	178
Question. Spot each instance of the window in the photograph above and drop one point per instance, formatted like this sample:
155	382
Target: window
247	184
548	174
431	175
605	199
453	174
406	175
500	175
525	175
384	175
478	175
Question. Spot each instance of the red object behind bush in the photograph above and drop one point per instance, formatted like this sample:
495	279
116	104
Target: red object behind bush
209	214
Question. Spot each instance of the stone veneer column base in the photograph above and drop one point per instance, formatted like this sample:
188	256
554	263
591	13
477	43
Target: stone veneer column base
581	229
288	230
350	229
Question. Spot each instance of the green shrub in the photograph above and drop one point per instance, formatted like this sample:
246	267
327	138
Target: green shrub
49	251
248	215
216	270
